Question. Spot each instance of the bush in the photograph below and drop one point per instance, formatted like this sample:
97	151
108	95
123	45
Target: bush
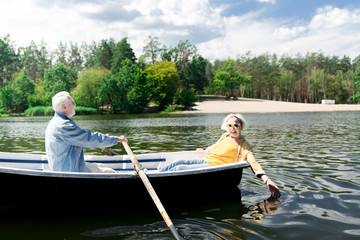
169	109
86	111
39	111
49	111
187	98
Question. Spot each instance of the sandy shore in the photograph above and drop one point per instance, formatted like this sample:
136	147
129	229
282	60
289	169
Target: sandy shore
246	105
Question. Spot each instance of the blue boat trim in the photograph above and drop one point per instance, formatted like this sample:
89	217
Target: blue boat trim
22	161
91	161
127	161
132	169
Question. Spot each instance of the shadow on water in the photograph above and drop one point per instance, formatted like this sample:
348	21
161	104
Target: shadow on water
200	221
200	218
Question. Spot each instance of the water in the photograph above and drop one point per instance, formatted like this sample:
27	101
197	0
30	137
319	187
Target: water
313	157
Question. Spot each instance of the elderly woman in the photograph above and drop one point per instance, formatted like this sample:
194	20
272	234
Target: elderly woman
231	147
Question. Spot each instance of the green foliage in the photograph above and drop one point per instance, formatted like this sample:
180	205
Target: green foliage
9	60
7	95
24	87
187	98
152	49
121	52
39	96
191	67
39	111
163	79
169	109
356	96
86	111
133	88
28	77
195	76
126	90
137	97
228	81
101	55
59	78
49	111
108	93
88	83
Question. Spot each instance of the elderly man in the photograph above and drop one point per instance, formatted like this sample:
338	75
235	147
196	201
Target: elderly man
65	140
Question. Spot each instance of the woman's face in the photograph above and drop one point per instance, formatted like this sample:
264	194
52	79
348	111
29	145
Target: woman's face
234	127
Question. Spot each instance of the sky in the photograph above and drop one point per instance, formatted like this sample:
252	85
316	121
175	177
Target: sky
220	29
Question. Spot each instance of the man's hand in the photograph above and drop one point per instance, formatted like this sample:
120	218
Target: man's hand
122	139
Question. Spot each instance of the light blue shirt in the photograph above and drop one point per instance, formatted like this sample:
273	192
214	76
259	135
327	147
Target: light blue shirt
65	141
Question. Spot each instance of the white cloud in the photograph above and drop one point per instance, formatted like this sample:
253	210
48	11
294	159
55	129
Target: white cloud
267	1
332	18
331	30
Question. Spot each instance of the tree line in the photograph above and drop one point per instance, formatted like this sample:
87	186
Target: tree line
107	75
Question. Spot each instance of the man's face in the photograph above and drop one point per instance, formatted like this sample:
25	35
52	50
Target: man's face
69	107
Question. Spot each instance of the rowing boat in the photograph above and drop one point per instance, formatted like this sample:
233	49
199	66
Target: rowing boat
26	178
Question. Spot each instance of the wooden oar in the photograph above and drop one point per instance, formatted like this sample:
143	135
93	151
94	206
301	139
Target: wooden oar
149	188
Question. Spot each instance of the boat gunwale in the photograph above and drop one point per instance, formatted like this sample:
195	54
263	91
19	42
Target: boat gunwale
150	174
120	174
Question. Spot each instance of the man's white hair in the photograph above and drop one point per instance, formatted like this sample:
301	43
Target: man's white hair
59	99
238	116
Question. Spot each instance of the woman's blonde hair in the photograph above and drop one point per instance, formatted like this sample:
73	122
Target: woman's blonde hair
238	116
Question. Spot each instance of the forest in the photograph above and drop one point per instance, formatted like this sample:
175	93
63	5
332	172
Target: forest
107	76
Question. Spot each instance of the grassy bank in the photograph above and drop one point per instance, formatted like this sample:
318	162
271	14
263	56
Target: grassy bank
49	111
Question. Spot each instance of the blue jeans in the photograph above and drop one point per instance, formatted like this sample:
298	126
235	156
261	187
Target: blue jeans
184	165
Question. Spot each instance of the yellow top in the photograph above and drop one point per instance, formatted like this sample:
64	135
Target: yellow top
226	151
222	153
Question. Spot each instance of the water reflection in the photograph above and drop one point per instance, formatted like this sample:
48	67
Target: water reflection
200	222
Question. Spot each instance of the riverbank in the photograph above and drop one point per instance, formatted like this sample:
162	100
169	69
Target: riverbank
248	105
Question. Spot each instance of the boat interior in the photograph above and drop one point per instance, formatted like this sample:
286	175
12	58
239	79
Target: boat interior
120	163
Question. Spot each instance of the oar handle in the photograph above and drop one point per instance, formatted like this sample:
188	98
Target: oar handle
151	191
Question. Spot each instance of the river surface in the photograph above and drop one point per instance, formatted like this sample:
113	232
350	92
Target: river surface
313	157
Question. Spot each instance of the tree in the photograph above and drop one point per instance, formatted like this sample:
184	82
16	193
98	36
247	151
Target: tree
152	49
38	98
108	93
284	84
187	98
163	79
315	83
104	53
132	84
121	52
9	60
59	78
125	90
219	82
192	67
61	54
356	96
88	83
196	74
24	87
44	61
30	60
7	95
228	80
75	59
